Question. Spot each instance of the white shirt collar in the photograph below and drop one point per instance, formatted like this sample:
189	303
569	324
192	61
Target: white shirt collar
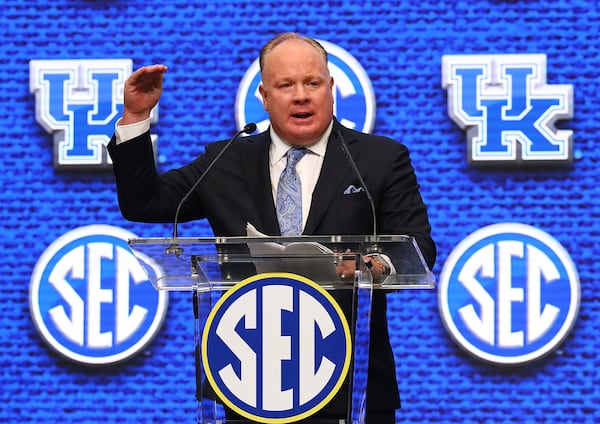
279	147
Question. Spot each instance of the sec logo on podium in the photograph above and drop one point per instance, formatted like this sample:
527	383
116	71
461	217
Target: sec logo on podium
276	348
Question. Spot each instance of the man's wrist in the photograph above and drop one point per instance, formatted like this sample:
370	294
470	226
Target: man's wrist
125	132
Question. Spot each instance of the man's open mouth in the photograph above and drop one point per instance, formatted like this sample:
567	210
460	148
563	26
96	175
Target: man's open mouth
302	115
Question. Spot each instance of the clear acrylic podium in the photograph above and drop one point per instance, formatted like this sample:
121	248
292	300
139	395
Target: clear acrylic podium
209	267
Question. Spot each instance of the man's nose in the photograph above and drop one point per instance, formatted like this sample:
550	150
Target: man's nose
300	93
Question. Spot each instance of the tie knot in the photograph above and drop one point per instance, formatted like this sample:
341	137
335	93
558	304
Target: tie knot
294	155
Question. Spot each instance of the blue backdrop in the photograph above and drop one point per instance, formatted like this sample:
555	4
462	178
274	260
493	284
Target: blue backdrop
208	45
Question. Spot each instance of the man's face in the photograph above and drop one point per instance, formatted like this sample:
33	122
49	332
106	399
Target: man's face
296	91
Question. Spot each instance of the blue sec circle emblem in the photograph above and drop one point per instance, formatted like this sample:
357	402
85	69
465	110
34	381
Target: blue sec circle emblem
90	299
276	348
509	294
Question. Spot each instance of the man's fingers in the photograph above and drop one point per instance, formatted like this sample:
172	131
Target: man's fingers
345	269
148	76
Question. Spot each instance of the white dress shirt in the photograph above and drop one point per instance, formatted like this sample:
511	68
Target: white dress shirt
308	168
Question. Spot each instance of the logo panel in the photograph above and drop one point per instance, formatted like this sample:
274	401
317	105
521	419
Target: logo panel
354	100
79	102
276	348
90	299
507	108
509	294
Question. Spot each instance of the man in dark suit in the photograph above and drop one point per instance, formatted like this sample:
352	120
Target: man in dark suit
241	188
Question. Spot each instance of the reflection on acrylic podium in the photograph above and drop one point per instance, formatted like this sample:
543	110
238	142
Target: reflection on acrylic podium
280	337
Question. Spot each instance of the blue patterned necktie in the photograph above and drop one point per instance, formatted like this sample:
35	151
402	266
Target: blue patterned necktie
289	195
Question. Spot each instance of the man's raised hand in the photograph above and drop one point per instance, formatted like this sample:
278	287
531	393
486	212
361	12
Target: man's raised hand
142	91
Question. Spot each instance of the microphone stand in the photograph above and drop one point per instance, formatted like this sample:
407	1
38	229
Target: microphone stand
360	179
174	246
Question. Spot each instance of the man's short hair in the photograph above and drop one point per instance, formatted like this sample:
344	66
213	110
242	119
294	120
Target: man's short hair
280	38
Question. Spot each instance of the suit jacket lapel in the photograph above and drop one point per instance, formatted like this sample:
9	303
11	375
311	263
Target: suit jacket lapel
256	172
334	170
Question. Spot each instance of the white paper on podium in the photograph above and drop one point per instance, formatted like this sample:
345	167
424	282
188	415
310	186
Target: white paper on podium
308	259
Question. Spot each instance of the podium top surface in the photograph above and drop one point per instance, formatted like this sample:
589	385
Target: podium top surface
217	263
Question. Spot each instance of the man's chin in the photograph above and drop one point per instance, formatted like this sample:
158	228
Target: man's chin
305	140
305	135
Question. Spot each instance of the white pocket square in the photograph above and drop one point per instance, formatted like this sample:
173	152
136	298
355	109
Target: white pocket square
351	189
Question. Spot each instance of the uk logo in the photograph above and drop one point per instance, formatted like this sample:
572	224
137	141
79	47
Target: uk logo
276	348
354	99
79	102
508	110
509	294
90	299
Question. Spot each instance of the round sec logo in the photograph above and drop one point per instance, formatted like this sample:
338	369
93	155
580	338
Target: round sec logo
276	348
354	100
91	300
509	294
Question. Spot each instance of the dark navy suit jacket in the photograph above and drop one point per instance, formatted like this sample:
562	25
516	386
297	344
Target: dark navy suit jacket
237	190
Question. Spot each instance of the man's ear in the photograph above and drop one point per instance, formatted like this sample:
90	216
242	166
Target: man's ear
331	83
263	94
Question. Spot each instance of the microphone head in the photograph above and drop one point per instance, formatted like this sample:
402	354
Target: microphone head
249	128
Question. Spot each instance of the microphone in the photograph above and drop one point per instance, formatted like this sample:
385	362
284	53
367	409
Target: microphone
360	178
174	247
